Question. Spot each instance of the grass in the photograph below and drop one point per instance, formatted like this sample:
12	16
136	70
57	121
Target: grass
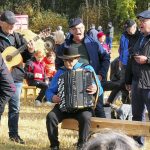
32	128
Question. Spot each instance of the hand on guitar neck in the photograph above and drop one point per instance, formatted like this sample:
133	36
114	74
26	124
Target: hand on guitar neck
12	56
31	46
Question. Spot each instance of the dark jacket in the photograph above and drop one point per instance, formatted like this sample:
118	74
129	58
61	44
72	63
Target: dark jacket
98	57
140	72
17	71
127	42
7	87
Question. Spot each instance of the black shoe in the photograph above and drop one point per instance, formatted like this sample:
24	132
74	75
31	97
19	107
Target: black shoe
54	148
16	139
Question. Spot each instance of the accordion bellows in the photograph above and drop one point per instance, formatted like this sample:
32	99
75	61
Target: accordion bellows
72	87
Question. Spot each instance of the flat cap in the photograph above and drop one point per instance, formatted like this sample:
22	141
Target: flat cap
145	14
9	17
75	21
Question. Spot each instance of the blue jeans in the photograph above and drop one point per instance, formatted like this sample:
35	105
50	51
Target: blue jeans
14	108
109	41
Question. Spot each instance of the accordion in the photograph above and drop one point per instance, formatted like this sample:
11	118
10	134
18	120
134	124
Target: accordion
72	87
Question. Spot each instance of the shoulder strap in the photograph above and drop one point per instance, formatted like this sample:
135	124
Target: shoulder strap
18	42
83	65
2	36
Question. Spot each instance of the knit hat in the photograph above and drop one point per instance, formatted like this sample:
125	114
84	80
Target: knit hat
100	34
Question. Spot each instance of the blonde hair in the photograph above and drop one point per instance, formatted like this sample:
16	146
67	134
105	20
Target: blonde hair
39	53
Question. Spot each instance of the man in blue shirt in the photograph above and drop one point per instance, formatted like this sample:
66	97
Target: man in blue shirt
70	58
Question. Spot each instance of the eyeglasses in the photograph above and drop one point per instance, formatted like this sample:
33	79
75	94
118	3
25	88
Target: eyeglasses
77	28
141	20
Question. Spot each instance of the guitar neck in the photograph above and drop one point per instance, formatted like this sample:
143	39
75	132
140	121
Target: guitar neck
23	47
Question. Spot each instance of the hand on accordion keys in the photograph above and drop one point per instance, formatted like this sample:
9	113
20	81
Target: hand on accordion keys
92	89
56	99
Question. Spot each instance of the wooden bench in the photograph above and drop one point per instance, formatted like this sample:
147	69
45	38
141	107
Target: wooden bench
132	128
26	88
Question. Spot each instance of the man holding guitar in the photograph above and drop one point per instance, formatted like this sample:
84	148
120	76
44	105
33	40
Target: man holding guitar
10	38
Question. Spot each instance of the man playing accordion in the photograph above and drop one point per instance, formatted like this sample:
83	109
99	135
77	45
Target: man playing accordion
81	114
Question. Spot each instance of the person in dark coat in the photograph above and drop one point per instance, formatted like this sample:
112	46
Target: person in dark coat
7	87
127	41
138	72
10	38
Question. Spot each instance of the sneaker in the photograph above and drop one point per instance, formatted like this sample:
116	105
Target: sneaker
54	148
37	103
16	139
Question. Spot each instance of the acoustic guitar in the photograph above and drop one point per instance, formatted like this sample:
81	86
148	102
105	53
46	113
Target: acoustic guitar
12	56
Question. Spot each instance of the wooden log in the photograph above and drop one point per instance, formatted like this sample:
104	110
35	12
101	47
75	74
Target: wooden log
132	128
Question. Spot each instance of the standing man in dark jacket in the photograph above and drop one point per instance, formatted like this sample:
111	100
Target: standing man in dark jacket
10	38
7	87
91	53
127	41
138	72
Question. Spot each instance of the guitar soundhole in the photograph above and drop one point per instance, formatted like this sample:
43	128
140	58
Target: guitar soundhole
8	58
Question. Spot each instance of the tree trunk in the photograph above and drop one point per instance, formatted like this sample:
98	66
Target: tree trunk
53	4
87	17
108	13
94	3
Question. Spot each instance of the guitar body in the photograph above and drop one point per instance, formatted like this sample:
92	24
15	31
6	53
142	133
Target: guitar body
15	60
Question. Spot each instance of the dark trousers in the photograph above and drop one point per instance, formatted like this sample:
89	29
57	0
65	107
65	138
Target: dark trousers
99	110
140	99
55	117
43	86
116	86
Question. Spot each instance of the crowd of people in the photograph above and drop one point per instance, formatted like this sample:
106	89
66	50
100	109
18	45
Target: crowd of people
79	50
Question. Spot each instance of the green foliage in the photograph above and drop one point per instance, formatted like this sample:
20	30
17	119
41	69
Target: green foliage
125	9
43	13
44	19
141	5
